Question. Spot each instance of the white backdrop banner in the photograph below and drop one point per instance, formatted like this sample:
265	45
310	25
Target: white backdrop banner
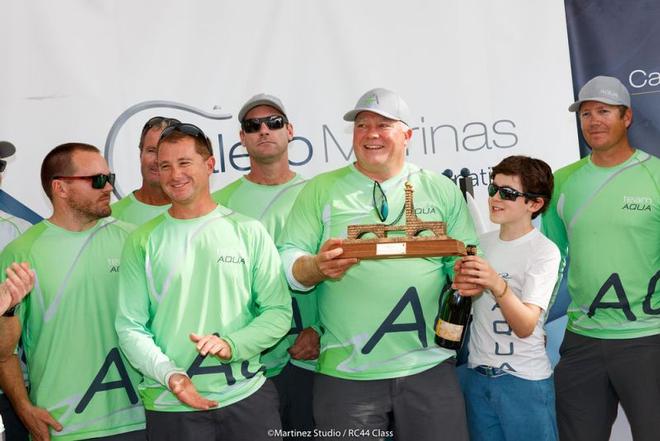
484	79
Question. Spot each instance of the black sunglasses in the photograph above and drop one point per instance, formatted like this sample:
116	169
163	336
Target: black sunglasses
508	193
3	165
98	181
381	206
273	122
187	129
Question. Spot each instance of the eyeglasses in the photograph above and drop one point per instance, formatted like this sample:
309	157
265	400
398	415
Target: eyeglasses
509	194
98	181
3	165
381	206
187	129
273	122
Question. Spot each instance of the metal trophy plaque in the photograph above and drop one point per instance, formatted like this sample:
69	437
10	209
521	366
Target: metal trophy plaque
411	245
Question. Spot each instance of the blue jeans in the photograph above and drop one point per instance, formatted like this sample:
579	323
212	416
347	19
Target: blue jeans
508	408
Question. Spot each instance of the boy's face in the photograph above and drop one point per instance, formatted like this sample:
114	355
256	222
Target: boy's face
504	212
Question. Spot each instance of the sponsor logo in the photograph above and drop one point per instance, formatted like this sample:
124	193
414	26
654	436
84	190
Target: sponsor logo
637	203
230	259
610	93
113	265
371	100
639	78
426	210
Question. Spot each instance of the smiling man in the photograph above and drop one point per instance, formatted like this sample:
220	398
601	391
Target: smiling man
379	367
605	215
81	386
201	295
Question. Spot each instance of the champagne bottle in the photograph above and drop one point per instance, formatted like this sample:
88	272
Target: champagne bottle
453	315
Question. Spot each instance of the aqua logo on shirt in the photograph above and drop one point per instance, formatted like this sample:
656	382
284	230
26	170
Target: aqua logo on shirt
113	265
637	203
425	210
231	259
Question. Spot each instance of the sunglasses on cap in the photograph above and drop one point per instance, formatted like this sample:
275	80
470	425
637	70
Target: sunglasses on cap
508	193
381	206
273	122
187	129
98	181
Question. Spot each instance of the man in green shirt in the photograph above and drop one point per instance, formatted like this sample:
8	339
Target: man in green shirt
201	295
80	384
379	367
149	200
605	215
267	194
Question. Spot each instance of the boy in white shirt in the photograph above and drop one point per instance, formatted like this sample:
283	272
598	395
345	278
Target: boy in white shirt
508	385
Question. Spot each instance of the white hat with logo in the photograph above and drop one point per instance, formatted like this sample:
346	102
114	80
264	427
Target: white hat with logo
384	102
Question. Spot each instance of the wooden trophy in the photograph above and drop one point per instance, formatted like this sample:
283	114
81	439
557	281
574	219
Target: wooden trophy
410	245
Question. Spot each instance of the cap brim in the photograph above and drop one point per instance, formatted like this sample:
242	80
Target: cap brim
576	105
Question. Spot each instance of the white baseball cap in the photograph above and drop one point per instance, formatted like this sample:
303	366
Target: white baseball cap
383	102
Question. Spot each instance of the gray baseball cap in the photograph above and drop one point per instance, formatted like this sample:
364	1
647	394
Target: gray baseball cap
261	99
383	102
6	149
608	90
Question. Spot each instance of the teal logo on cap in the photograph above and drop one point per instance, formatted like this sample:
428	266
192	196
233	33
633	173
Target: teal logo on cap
370	100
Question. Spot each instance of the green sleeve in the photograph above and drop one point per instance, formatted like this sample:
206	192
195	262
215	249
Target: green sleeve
135	338
223	196
457	215
552	225
272	302
304	231
459	222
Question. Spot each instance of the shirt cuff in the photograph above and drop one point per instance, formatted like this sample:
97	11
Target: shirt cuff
288	259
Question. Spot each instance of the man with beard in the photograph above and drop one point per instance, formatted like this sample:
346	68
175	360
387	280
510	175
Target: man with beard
149	200
81	386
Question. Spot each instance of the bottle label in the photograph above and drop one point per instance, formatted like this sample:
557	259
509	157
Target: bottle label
449	331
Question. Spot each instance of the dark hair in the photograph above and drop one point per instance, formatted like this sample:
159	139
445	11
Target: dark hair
535	176
58	163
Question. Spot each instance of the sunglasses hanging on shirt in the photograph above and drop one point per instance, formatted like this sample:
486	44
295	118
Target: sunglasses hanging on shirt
381	206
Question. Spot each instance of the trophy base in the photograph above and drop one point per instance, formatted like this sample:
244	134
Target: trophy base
401	247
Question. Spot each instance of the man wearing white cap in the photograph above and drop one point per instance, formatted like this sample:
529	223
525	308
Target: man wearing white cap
605	215
379	369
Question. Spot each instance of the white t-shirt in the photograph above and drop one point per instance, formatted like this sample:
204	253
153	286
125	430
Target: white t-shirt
530	265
